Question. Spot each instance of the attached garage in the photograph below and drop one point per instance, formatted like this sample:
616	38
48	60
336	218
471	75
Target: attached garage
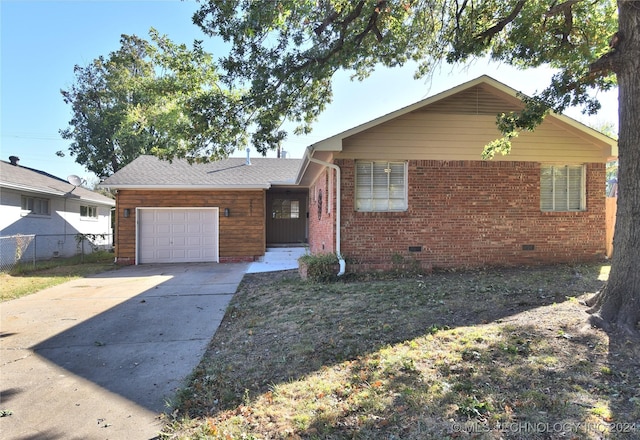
181	212
177	235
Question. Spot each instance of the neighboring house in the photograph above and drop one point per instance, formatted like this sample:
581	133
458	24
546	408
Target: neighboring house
35	202
406	189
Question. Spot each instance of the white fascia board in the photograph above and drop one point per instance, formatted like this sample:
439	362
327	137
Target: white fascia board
187	187
38	190
334	143
304	177
282	182
98	202
304	165
54	192
612	153
302	172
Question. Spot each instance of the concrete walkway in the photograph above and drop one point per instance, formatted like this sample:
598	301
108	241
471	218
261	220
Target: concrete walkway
277	259
99	357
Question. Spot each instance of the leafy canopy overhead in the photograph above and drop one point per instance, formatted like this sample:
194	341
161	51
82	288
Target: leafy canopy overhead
157	97
285	52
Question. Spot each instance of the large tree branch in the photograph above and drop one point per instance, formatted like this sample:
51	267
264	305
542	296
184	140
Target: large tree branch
332	19
344	31
499	26
459	10
607	63
563	7
326	22
372	26
612	60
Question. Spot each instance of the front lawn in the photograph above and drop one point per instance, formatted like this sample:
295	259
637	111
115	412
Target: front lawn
495	354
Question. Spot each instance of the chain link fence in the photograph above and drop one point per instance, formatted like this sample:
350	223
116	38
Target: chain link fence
27	249
15	249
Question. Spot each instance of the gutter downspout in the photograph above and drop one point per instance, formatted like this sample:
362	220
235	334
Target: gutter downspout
341	261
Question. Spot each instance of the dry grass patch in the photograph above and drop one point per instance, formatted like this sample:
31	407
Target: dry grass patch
481	354
26	279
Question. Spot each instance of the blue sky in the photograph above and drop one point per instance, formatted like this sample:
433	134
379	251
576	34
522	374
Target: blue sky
41	41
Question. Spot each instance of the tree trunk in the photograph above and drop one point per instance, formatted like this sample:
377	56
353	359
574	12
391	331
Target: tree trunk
617	306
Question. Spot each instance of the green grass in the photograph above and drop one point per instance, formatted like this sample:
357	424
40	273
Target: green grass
27	279
411	358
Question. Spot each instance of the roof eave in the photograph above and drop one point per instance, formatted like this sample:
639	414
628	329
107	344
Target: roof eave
611	142
309	171
53	192
32	189
334	143
303	166
185	187
101	202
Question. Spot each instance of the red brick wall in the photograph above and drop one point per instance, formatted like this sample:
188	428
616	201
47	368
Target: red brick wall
471	214
322	233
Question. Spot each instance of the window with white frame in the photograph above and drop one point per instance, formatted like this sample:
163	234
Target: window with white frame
381	186
562	188
35	205
88	212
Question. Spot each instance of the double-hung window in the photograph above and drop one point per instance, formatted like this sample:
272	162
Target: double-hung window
35	205
381	186
562	188
88	212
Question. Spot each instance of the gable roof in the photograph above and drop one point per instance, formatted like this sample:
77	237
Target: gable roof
499	95
333	143
149	172
26	179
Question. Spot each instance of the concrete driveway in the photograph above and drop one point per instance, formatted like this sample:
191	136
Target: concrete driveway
99	357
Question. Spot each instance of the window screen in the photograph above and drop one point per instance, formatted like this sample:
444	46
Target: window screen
562	188
381	186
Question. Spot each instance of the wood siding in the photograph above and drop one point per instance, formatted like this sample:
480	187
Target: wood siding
437	136
241	235
458	128
478	100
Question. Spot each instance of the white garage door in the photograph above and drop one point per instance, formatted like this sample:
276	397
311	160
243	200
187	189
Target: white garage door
177	235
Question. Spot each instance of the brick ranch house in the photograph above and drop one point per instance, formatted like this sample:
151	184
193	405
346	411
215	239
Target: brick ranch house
406	188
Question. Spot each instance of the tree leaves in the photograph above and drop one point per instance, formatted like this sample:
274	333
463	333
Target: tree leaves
162	98
286	52
150	97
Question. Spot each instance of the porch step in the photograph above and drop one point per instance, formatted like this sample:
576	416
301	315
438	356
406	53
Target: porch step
278	254
277	259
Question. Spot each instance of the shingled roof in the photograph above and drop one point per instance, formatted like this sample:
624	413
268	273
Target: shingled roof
149	172
31	180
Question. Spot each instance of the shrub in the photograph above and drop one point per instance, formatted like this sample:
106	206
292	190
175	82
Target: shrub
319	268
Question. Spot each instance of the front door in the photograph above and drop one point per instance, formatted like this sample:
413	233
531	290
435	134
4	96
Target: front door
286	217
